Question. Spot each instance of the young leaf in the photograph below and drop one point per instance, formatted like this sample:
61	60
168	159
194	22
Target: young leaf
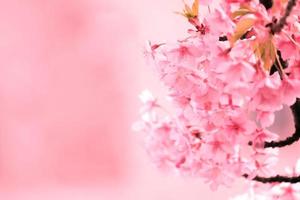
195	7
266	52
190	12
244	10
241	28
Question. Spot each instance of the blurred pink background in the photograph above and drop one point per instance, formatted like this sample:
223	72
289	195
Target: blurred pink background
70	75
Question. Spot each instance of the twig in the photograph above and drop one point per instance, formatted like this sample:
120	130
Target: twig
296	136
277	27
276	179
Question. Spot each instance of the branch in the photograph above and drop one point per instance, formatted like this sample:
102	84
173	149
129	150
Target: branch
277	27
296	136
290	140
276	179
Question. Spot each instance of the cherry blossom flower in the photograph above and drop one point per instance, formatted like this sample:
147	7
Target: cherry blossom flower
225	81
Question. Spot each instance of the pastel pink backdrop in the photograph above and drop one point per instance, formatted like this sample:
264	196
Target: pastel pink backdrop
70	75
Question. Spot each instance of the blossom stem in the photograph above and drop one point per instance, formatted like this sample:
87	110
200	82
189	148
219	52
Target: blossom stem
279	61
292	40
279	66
296	136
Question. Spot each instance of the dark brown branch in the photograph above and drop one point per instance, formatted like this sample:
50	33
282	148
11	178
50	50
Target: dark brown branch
288	141
277	27
276	179
291	139
282	143
296	136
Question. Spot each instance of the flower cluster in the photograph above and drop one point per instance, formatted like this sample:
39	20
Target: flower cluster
225	81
